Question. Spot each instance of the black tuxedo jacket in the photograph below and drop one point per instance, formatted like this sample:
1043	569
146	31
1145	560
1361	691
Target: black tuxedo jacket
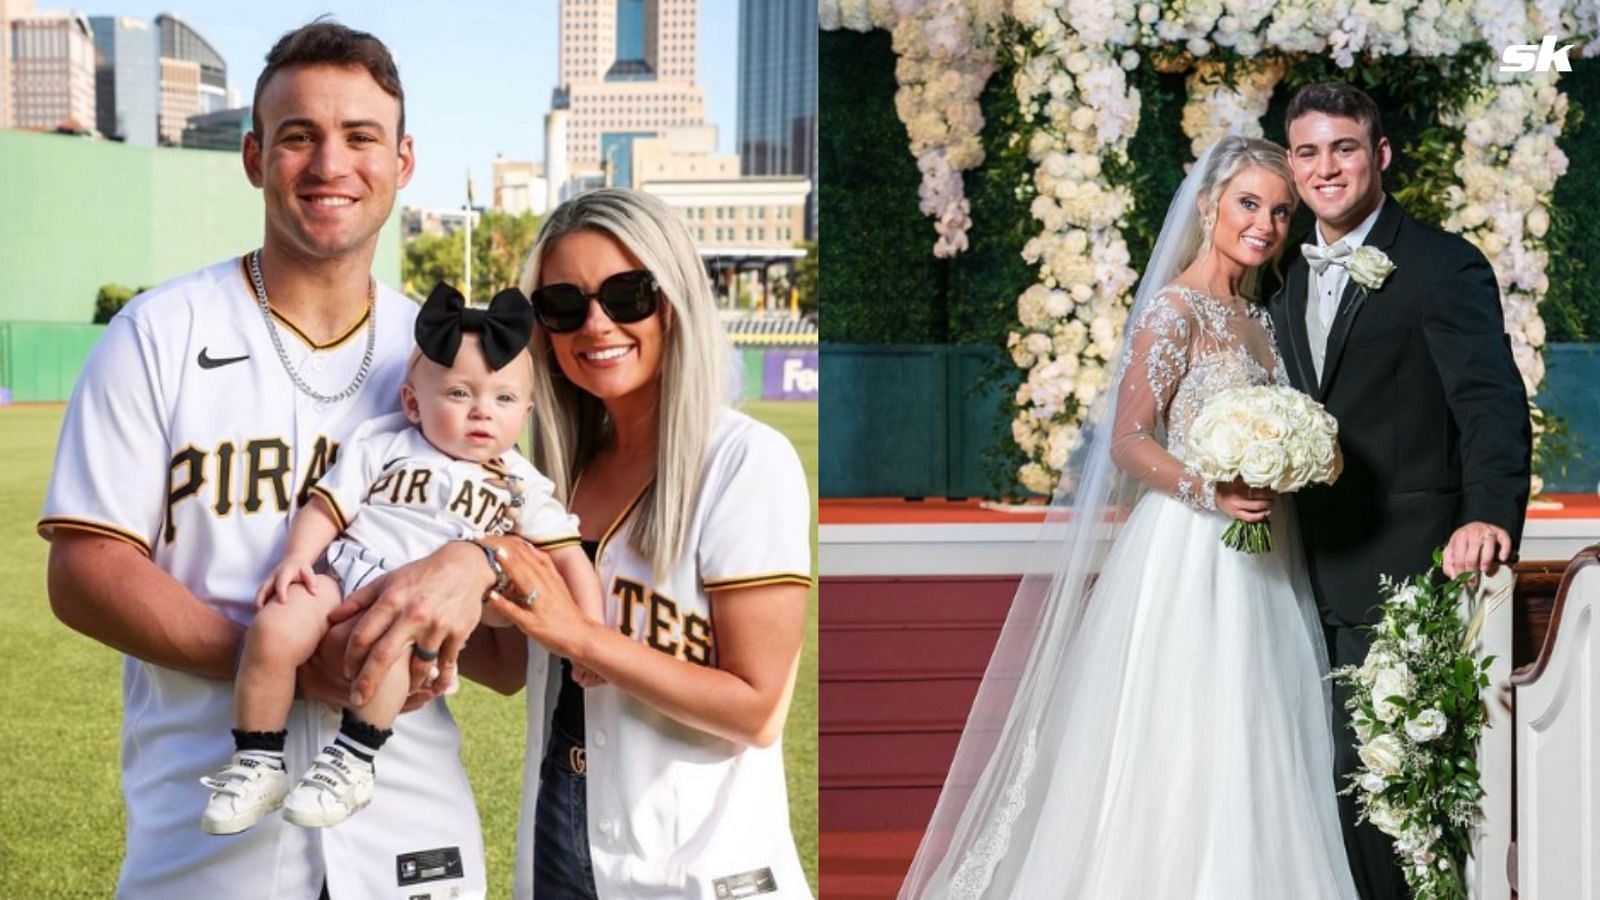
1433	417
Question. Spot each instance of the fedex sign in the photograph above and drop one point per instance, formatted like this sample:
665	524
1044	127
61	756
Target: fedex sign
789	375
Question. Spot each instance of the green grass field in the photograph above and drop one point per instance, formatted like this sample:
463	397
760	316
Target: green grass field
61	816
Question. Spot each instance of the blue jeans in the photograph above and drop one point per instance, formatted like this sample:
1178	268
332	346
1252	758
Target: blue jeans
561	867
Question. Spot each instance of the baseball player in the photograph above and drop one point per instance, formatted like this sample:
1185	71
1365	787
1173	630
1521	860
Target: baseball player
404	486
205	412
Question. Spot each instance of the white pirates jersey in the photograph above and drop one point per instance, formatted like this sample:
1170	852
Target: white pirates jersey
186	438
675	812
397	495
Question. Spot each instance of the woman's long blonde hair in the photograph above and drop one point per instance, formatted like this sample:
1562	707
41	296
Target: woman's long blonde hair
571	425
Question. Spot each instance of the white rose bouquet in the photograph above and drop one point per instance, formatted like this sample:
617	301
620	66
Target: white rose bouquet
1417	708
1270	437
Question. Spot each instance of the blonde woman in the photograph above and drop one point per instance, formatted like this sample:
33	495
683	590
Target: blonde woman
666	780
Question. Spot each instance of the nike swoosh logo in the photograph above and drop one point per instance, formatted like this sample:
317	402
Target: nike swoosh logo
206	362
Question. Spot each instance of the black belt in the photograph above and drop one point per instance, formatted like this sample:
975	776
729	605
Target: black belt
566	753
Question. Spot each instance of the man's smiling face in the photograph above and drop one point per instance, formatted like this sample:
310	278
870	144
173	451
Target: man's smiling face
329	159
1338	169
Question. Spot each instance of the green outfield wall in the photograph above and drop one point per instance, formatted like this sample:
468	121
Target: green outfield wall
77	213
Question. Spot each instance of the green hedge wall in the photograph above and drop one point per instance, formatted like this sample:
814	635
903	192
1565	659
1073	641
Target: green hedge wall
880	284
883	285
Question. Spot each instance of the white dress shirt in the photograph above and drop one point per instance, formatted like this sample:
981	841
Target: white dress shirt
1328	287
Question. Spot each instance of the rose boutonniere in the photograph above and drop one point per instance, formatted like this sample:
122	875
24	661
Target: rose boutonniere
1369	267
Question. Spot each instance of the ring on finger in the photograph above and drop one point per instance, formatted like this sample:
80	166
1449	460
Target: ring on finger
533	596
424	655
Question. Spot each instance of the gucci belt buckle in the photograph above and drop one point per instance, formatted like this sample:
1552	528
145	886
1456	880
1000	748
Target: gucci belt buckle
577	760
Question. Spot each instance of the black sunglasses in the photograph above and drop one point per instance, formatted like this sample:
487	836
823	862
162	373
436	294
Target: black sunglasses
626	297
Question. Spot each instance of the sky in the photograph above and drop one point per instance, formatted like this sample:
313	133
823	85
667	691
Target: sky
477	73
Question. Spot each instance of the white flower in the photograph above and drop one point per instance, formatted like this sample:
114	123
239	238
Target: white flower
1063	440
1382	754
1379	657
1263	464
1035	478
1417	841
1394	681
1387	819
1369	267
1372	782
1538	221
1429	724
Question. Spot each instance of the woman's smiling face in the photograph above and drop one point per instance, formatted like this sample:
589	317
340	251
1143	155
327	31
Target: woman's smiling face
603	358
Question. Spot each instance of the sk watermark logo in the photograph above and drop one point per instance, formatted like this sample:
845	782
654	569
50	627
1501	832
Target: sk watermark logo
1541	57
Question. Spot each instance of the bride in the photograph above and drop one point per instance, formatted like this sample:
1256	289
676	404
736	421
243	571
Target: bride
1154	722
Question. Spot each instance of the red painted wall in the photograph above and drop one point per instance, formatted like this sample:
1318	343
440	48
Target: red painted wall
900	662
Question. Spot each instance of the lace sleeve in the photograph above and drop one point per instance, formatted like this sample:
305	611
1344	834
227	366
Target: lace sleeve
1154	363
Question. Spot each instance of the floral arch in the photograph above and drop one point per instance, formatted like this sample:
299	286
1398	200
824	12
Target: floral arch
1072	62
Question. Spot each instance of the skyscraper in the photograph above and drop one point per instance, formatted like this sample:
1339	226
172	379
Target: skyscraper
627	70
9	9
777	123
127	79
179	41
52	71
180	98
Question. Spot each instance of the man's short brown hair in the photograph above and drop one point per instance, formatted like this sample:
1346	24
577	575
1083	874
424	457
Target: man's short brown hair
327	43
1334	98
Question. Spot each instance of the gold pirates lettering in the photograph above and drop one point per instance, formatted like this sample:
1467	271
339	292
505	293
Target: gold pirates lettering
478	503
263	485
662	625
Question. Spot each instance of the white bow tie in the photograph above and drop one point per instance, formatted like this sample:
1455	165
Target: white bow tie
1321	258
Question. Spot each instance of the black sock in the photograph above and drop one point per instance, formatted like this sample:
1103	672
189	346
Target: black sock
263	745
361	739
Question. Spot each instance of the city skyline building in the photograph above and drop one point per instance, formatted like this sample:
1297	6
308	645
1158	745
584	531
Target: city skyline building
626	69
220	130
127	79
520	186
777	120
52	71
9	10
180	41
419	220
180	98
745	226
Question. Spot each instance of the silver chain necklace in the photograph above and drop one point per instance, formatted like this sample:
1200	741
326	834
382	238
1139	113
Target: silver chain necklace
260	287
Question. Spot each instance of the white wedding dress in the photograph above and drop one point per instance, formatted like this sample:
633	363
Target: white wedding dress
1182	746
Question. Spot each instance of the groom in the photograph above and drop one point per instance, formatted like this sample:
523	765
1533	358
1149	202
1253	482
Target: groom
1415	365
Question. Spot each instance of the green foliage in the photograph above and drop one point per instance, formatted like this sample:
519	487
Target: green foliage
1571	310
988	277
805	279
1156	157
883	284
1422	665
109	300
500	245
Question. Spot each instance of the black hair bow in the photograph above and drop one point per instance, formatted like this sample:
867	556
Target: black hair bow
503	329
